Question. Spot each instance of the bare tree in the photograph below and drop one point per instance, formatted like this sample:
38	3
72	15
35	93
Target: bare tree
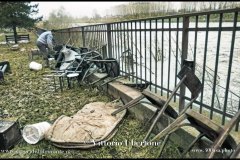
95	14
58	19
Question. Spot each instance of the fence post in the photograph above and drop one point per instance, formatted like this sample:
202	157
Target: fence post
83	38
183	57
109	40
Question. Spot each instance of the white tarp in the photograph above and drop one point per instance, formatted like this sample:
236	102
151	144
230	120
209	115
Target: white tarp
92	124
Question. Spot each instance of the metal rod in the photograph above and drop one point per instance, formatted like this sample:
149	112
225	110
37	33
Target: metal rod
229	67
216	64
223	135
136	52
183	57
187	106
128	105
192	144
99	80
164	107
204	62
150	59
237	125
145	48
163	145
195	43
124	42
162	56
156	54
195	46
176	66
169	56
130	60
140	39
120	42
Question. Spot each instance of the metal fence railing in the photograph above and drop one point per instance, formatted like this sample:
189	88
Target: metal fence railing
152	50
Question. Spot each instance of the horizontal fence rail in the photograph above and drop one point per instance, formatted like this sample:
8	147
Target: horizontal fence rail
152	51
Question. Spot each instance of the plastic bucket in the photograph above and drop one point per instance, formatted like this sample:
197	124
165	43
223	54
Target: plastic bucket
33	133
35	66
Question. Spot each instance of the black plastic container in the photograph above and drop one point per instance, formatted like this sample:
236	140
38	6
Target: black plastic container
10	134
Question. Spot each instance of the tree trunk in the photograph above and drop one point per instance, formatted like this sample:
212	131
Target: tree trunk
15	34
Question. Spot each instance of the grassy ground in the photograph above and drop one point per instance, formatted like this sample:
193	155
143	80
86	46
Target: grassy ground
25	96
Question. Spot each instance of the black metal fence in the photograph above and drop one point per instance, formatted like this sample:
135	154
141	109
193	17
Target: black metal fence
152	50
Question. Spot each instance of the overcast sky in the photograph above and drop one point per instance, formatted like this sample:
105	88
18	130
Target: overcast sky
77	9
81	8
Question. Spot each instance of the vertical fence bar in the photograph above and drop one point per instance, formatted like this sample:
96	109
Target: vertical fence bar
115	41
109	41
176	67
216	63
229	67
156	54
195	46
113	33
169	56
104	51
79	37
86	35
105	35
150	58
140	35
195	43
92	37
100	35
104	42
183	57
69	35
120	43
124	44
136	51
99	38
204	61
90	32
83	37
73	38
130	52
121	37
162	56
64	36
145	49
87	31
89	36
95	37
237	124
